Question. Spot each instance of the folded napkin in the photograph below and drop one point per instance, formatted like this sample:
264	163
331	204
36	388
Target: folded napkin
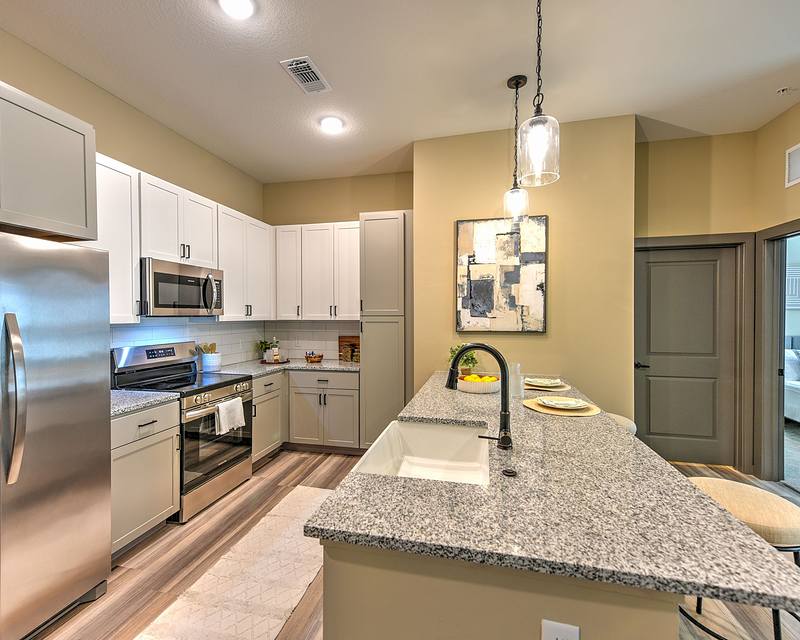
230	415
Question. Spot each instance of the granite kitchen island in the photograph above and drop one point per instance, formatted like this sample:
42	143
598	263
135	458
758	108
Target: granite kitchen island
596	530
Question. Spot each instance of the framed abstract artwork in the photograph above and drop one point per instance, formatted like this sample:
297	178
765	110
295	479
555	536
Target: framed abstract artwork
501	274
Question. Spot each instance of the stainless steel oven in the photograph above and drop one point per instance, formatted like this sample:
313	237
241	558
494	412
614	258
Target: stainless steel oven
176	289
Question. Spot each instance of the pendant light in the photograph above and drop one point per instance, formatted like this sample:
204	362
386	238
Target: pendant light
515	200
538	136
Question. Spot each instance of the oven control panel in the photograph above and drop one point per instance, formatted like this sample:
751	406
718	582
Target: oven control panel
160	352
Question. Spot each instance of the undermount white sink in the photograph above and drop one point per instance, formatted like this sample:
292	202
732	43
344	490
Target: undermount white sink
429	451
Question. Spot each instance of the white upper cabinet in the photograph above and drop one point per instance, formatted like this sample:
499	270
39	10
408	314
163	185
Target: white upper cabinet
118	233
47	168
382	263
346	273
317	272
259	258
200	230
232	229
288	272
177	224
246	259
162	215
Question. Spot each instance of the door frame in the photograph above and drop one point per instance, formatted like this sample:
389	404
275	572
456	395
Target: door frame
745	246
770	293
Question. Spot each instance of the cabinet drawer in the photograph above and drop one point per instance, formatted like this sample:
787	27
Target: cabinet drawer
135	426
267	384
323	379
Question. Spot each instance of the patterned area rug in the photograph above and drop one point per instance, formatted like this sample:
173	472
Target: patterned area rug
251	591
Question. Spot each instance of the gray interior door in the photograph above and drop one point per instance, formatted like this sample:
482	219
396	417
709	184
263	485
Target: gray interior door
685	332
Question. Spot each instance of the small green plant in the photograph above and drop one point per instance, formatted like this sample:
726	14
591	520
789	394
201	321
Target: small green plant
207	347
468	360
266	345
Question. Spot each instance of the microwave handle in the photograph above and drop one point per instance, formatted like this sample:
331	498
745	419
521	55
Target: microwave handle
213	283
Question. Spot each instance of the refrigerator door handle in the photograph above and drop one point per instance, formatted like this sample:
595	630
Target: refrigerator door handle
17	351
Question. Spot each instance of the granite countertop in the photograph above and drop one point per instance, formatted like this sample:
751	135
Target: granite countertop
256	369
590	501
123	402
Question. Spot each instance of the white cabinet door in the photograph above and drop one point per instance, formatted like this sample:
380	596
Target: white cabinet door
287	272
305	416
162	218
199	227
382	263
145	485
382	375
346	271
231	233
317	268
267	434
118	233
47	168
258	253
340	418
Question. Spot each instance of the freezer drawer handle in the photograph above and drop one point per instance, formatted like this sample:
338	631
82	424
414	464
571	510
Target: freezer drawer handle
17	351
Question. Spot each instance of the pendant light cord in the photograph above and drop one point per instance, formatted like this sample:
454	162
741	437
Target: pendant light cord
538	99
516	128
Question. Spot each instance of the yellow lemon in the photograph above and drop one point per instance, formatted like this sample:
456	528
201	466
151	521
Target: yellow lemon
488	379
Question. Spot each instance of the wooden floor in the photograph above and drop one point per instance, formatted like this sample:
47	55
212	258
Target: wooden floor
147	579
737	622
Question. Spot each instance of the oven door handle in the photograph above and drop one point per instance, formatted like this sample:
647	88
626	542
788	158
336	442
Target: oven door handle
199	413
213	283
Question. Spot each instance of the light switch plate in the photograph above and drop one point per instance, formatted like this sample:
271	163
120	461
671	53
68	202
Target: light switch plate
559	631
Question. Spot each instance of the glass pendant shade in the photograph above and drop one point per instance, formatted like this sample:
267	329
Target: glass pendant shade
515	203
538	151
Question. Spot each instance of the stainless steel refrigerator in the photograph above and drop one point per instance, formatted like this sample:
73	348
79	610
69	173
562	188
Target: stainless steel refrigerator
55	467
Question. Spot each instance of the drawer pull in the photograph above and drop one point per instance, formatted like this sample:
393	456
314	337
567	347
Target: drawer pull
322	381
268	384
147	424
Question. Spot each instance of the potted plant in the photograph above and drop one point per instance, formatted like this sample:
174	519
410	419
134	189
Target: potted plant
468	360
210	359
264	346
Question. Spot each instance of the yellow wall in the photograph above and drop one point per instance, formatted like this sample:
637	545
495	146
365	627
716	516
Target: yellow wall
717	184
589	337
336	199
125	133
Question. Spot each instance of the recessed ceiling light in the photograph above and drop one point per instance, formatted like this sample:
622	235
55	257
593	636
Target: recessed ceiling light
238	9
331	125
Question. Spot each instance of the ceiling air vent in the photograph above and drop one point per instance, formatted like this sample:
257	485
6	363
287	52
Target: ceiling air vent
306	74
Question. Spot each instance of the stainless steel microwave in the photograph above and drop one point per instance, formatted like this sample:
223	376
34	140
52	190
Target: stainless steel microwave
176	289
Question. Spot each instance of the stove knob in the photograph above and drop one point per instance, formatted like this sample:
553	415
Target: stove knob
198	399
245	386
206	397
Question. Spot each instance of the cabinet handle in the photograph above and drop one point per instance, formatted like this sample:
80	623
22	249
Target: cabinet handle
255	412
321	381
335	312
183	250
330	310
147	424
178	439
320	400
325	399
360	305
138	307
268	384
298	310
188	251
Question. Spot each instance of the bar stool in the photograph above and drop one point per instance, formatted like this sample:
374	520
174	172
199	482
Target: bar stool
624	422
772	517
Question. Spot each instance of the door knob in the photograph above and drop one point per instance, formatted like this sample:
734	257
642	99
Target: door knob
639	365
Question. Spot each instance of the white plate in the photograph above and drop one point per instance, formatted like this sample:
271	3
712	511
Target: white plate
561	402
544	382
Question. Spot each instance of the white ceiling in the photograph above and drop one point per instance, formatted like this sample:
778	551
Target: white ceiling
414	69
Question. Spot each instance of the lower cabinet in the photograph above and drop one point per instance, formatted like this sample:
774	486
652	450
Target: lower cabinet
145	485
267	432
326	417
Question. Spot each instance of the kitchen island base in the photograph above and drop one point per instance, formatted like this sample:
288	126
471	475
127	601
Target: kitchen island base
372	593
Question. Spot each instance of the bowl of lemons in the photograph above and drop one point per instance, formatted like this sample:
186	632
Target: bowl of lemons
478	383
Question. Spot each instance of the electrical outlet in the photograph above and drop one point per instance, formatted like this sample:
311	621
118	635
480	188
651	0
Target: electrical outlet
559	631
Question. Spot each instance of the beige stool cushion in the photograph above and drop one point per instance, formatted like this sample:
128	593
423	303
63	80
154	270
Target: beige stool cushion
622	421
773	518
